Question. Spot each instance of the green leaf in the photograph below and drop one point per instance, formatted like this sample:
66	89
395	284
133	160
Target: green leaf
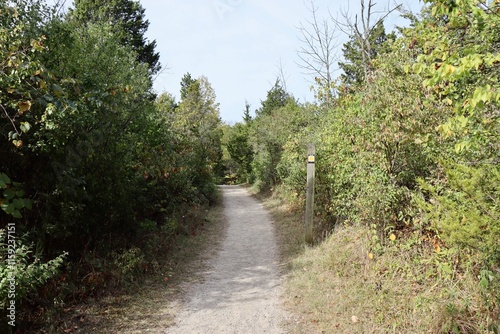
18	203
25	127
9	208
58	91
482	94
484	283
459	147
13	135
9	194
4	181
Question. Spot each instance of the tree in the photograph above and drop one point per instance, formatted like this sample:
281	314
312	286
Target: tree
198	120
460	53
353	66
86	157
317	55
240	150
278	116
276	97
186	83
247	118
166	103
128	19
365	33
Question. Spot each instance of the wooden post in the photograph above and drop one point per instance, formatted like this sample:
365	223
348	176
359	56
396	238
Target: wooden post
311	160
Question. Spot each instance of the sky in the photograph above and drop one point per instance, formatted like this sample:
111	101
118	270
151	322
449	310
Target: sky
239	45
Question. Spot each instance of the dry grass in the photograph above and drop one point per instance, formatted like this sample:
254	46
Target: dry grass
338	287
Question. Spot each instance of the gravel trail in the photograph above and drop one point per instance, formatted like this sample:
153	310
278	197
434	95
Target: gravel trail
241	290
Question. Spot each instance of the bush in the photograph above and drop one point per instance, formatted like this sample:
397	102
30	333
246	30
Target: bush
24	269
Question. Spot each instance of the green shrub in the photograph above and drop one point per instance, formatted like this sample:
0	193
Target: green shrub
21	267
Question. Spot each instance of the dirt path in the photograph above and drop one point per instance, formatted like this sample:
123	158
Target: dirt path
240	292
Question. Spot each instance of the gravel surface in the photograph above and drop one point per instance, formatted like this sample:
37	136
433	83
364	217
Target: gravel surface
240	292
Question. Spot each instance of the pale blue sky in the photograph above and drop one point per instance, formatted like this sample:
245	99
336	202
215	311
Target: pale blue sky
238	45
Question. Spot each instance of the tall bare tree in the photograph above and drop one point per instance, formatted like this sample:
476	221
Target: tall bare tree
317	53
282	75
362	27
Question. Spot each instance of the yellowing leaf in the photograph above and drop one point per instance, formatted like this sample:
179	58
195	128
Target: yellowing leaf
438	249
392	237
24	106
37	45
370	256
449	69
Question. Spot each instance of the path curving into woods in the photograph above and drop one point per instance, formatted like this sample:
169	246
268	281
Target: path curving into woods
240	292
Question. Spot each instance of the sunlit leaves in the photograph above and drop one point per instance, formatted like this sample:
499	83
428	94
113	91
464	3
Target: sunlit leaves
25	126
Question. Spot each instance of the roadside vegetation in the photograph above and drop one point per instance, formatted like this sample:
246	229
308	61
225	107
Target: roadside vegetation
407	173
98	174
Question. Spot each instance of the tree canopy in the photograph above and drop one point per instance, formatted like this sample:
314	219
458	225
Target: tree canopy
128	20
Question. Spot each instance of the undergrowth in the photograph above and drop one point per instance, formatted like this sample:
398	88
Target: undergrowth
85	296
354	281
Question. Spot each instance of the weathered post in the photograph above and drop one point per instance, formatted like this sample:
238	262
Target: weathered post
311	160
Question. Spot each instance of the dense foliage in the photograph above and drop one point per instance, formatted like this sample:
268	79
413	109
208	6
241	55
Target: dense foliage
411	149
95	168
91	165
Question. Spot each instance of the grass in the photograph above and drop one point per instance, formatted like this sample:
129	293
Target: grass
350	283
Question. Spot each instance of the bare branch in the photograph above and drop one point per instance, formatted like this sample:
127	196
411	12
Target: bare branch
12	120
59	6
281	75
362	30
317	54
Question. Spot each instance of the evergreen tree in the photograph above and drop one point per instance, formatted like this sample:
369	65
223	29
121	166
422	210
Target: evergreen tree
128	19
276	97
247	118
353	67
186	82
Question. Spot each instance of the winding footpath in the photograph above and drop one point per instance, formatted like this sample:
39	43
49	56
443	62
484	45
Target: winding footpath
241	290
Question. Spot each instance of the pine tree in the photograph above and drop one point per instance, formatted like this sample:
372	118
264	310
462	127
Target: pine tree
353	67
128	19
276	97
